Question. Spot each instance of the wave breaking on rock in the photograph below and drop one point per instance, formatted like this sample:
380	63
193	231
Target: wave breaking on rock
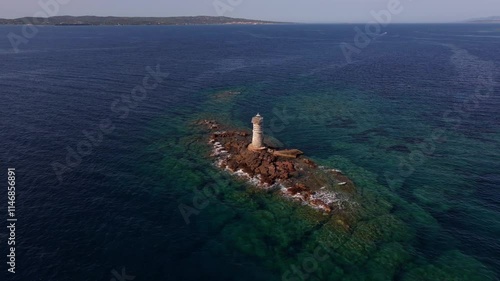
287	172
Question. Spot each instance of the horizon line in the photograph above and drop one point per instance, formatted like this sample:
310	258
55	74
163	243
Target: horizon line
475	20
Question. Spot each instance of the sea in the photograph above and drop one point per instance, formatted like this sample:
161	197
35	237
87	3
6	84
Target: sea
114	180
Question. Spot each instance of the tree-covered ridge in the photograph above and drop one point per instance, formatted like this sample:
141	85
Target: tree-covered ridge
94	20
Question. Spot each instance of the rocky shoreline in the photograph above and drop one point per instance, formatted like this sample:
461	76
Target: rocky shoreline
286	171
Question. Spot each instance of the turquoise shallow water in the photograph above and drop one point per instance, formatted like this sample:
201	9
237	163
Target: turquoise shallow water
414	121
408	229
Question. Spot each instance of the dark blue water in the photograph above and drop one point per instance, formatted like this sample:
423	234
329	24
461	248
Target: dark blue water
414	120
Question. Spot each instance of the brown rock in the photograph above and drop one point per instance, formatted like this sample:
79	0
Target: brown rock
272	169
310	163
298	188
300	173
262	170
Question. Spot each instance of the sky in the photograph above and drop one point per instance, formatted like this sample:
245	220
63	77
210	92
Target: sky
308	11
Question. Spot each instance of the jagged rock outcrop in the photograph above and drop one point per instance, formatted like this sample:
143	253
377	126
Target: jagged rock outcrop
294	175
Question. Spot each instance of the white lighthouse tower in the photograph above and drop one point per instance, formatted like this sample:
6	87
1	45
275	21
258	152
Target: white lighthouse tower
258	136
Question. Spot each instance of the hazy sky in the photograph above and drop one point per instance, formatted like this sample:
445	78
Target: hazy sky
280	10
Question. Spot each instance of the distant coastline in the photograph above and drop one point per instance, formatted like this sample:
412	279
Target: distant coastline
494	19
116	21
484	21
160	21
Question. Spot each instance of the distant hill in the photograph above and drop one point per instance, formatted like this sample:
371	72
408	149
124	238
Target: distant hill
93	20
494	19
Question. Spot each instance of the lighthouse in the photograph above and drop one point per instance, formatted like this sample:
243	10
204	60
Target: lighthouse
258	136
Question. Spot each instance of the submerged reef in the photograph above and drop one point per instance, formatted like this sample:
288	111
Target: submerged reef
371	231
286	171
